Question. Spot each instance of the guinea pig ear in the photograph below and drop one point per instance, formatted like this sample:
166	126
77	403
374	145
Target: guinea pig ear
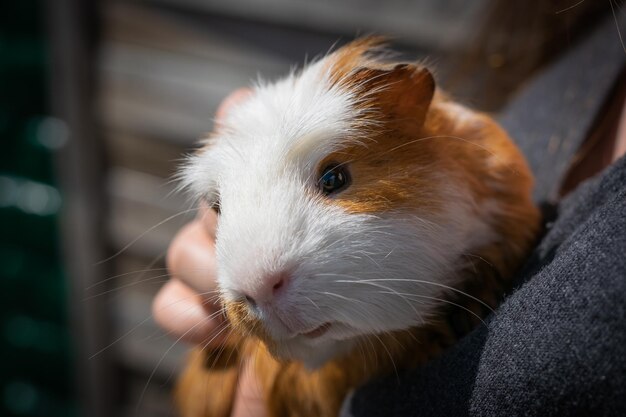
404	92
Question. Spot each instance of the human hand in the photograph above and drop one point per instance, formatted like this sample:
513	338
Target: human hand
186	305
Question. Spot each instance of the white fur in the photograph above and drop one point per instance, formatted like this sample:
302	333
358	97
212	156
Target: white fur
363	273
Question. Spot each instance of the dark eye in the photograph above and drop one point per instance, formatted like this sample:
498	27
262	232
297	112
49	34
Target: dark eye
334	178
216	206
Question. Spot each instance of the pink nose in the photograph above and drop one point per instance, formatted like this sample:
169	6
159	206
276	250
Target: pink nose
268	288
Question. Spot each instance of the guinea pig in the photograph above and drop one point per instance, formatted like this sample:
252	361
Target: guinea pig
367	222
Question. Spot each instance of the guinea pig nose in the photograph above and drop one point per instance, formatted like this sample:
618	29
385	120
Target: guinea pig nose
268	288
250	301
278	285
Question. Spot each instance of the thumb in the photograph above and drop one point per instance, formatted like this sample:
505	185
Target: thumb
249	401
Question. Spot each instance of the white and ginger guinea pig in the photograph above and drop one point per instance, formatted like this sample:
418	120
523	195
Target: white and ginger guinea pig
360	210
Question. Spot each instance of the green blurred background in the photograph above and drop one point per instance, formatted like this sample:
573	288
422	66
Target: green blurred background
35	353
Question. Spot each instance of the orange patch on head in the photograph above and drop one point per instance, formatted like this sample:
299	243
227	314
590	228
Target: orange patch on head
393	100
385	177
356	54
414	140
388	172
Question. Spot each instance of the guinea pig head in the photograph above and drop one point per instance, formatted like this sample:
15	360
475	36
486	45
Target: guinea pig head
340	215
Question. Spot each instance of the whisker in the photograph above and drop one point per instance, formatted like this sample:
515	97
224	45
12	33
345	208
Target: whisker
570	7
374	352
135	240
121	337
447	302
453	137
140	271
222	327
145	388
456	290
401	295
150	316
312	302
619	33
204	319
340	296
130	284
390	357
124	275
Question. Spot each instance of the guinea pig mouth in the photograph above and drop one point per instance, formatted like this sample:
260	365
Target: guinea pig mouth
317	332
299	330
240	316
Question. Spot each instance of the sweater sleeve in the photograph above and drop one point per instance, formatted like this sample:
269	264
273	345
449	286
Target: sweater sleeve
556	346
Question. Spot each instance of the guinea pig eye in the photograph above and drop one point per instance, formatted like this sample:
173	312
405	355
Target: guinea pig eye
213	203
216	206
334	178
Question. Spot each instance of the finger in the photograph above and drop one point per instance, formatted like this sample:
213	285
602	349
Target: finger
249	396
208	217
178	309
233	98
191	258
